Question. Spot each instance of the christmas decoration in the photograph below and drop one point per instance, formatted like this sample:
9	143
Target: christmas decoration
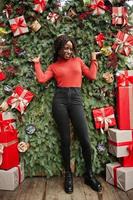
20	99
125	113
106	50
109	78
18	25
98	7
7	89
104	117
119	176
2	75
123	43
39	5
101	148
35	26
14	176
30	129
71	13
124	78
100	39
23	147
52	17
119	16
119	141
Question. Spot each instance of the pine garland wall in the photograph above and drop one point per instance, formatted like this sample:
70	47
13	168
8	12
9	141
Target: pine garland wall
43	156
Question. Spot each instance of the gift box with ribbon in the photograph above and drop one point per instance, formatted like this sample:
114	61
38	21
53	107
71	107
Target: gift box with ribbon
119	141
128	160
104	117
124	101
18	26
53	17
119	15
124	78
9	154
7	122
123	43
20	99
40	5
119	176
10	179
98	7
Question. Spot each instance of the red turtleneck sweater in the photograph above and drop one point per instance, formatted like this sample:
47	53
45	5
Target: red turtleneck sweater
67	73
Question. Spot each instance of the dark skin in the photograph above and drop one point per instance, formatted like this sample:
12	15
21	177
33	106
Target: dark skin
67	52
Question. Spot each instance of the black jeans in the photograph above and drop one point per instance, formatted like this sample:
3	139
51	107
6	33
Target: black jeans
67	105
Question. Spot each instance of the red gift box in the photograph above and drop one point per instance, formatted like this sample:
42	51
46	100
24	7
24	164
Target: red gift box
20	99
124	78
98	7
123	43
2	75
18	26
7	122
40	5
119	15
9	154
128	160
104	117
125	107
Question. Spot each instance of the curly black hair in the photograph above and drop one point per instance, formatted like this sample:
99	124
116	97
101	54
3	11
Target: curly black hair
60	42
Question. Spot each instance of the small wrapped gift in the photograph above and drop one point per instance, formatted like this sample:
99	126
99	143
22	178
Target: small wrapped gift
100	38
40	5
18	26
121	177
52	17
119	141
123	43
10	179
104	117
35	26
2	75
119	15
124	100
20	99
124	78
98	7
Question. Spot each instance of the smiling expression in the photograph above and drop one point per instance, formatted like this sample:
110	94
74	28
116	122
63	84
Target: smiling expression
67	51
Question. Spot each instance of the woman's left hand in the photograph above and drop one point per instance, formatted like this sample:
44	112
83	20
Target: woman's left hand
94	55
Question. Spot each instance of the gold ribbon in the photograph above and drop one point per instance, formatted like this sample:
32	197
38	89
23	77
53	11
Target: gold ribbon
3	145
19	101
105	120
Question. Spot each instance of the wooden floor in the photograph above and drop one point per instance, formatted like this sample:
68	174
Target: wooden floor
38	188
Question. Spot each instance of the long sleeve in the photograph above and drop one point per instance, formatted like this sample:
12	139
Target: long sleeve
91	72
41	76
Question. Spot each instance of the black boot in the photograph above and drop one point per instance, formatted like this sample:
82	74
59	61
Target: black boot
91	180
68	185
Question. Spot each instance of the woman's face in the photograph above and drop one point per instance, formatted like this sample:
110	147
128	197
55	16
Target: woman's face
67	51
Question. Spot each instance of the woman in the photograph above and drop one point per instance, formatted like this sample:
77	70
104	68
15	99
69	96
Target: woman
67	103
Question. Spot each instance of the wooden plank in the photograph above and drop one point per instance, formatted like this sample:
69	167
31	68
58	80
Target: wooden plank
130	194
112	193
30	189
55	190
89	193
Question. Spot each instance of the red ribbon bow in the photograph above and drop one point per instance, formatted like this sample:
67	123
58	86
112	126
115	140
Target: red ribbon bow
100	39
19	23
124	79
99	4
42	3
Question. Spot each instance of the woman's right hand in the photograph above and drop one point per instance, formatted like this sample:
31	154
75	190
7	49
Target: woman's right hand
36	59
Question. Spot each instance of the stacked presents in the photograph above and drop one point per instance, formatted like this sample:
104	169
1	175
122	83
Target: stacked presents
11	171
121	140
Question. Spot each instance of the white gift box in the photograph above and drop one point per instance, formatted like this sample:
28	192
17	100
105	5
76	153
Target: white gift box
119	141
121	177
10	179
